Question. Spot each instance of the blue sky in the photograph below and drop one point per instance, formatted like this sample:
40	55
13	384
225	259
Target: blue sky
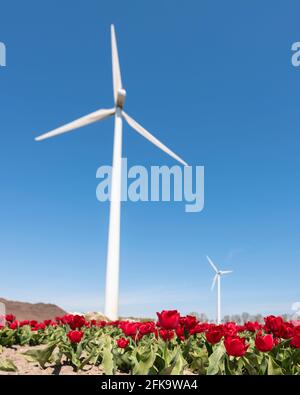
212	80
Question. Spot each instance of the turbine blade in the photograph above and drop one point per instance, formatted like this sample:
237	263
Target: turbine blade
87	119
117	82
138	128
226	271
214	282
212	264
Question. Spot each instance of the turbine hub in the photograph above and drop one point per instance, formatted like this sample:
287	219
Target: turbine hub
121	98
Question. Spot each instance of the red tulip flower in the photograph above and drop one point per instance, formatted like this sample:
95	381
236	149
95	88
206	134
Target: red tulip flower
76	322
146	328
180	332
129	328
166	334
25	322
41	326
75	336
10	317
214	334
264	343
295	342
188	322
199	328
230	328
14	325
122	343
274	325
287	330
168	319
253	326
235	346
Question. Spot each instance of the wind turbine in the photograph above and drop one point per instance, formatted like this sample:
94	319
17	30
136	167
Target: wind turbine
113	252
217	278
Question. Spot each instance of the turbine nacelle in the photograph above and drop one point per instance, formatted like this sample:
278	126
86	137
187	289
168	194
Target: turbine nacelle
219	273
121	98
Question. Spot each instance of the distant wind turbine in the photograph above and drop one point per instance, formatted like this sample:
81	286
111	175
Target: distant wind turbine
113	254
217	278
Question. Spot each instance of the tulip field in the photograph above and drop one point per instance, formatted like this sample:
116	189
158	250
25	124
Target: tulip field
173	345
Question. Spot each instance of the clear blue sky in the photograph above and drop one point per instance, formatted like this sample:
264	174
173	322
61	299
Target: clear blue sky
213	80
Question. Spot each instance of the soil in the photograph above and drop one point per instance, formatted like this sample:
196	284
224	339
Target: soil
25	367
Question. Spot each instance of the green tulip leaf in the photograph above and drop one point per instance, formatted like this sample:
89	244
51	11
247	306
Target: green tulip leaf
107	357
145	358
41	356
216	359
8	366
273	367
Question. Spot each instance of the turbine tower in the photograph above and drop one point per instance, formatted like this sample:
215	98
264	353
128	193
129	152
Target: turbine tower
113	251
217	278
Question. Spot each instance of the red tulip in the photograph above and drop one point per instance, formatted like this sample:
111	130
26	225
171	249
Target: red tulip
287	330
253	326
166	334
129	328
114	323
41	326
188	322
214	334
101	324
10	317
168	319
264	343
122	343
180	332
75	336
14	325
230	328
273	324
235	346
25	322
295	342
146	328
199	328
76	322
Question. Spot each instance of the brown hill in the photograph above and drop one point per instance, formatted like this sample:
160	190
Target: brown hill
32	311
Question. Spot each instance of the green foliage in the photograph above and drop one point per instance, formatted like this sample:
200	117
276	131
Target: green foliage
216	360
41	356
107	356
148	354
7	365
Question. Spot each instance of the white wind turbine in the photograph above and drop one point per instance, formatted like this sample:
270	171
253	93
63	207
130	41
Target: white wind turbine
217	277
113	253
